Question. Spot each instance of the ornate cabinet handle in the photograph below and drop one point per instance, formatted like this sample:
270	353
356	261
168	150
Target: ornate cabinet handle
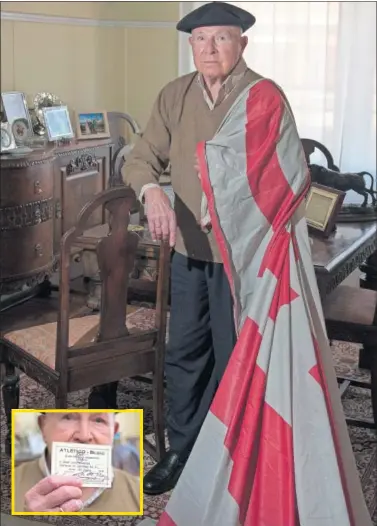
38	250
37	187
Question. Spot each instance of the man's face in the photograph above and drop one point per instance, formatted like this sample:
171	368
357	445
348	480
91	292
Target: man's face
82	428
216	50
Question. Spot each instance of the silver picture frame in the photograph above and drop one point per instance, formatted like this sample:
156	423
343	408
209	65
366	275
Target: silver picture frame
58	123
15	107
7	139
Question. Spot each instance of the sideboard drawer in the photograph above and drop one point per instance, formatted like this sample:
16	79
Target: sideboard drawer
24	186
26	250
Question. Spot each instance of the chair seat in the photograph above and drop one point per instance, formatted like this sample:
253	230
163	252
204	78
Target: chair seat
40	340
351	305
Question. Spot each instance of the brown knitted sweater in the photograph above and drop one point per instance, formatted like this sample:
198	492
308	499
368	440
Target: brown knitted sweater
180	119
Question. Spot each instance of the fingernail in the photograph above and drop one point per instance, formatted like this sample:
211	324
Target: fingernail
80	505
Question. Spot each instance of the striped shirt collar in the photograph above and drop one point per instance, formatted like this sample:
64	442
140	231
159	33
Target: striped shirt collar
46	472
227	87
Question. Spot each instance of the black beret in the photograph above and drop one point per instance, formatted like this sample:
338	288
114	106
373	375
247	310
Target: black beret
216	14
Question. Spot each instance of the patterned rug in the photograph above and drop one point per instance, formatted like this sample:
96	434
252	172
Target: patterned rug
135	395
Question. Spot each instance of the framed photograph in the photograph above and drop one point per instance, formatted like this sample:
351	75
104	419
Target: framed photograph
322	207
92	125
20	131
16	109
7	139
58	123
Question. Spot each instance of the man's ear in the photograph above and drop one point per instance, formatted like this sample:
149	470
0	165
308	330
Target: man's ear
244	42
116	427
41	420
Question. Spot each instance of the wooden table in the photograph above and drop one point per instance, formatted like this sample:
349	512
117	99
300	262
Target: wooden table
143	280
338	256
335	258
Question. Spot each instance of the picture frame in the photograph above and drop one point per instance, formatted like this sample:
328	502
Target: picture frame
21	132
58	123
322	208
16	108
92	125
7	139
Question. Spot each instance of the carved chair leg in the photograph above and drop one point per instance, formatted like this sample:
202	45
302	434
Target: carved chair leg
103	396
158	413
373	363
11	397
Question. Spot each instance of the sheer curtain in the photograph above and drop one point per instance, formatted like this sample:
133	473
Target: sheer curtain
323	54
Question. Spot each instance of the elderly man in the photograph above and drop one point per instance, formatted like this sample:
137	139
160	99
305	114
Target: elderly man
201	333
36	490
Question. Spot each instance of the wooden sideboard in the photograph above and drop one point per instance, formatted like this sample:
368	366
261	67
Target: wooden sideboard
41	194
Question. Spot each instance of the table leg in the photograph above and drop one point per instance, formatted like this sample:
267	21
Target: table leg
369	268
368	281
374	386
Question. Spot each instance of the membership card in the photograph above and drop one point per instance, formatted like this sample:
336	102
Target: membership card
90	463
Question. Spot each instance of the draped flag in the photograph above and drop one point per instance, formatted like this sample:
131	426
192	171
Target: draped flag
274	448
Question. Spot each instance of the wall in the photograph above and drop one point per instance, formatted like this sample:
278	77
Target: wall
97	55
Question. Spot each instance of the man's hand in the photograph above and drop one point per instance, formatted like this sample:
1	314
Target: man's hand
161	217
54	494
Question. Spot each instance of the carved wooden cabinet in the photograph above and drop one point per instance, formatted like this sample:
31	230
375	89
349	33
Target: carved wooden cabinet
41	195
26	220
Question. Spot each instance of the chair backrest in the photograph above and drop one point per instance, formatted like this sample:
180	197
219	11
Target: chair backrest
117	162
122	145
116	255
116	118
310	145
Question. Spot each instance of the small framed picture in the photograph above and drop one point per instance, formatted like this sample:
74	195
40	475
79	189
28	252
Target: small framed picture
322	207
7	139
20	131
92	125
16	109
58	123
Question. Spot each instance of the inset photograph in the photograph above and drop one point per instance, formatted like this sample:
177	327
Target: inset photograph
77	462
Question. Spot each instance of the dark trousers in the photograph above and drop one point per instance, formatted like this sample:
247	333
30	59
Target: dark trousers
201	339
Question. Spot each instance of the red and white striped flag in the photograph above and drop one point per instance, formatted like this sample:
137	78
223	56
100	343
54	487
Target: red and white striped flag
274	449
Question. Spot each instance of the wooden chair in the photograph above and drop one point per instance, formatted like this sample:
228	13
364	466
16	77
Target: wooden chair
122	146
351	316
310	145
75	353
